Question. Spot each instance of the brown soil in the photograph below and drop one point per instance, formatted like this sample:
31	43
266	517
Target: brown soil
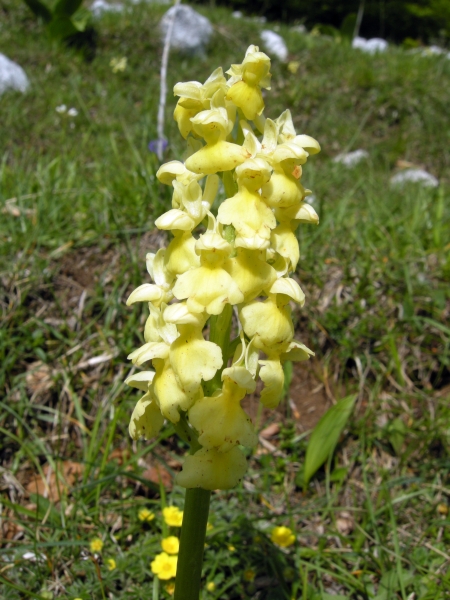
308	400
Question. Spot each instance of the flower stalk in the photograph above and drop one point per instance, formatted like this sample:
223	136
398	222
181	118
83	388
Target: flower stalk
192	543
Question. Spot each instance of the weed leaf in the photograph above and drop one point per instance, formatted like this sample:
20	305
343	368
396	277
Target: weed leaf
325	435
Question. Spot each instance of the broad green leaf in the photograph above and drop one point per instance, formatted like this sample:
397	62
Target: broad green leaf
40	10
326	435
396	434
61	27
67	7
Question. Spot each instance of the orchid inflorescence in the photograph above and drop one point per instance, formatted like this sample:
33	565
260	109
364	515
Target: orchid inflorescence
241	257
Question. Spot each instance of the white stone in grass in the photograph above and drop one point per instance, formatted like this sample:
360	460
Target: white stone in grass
237	14
99	7
191	30
370	46
164	2
435	51
12	77
419	176
274	44
299	29
351	159
31	556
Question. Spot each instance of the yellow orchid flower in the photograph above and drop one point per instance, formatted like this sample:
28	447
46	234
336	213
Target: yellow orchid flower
251	272
146	420
269	323
210	286
195	97
170	395
245	259
217	155
246	82
193	359
220	420
250	216
212	470
180	255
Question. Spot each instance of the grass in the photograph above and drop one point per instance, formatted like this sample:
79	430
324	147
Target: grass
79	197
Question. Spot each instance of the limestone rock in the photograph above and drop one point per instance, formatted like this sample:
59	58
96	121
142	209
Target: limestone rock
12	77
274	44
351	159
419	176
371	46
191	31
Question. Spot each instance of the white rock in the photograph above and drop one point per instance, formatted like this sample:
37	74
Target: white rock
237	14
191	31
31	556
299	28
99	7
414	176
370	46
435	50
351	159
274	44
12	77
165	2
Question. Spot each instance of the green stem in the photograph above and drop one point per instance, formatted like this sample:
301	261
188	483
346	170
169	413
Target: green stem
192	543
186	433
219	333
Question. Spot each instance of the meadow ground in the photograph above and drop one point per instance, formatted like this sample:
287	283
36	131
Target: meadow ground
78	201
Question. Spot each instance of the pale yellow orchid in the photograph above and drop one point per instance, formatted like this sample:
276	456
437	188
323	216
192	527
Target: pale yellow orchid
209	287
251	272
147	419
246	82
246	258
249	214
171	397
220	420
180	255
157	292
193	359
218	154
211	470
195	97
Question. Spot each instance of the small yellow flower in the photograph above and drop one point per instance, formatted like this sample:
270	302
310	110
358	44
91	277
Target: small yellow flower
96	545
173	516
442	508
293	66
164	566
171	544
111	564
209	527
211	586
249	575
118	64
170	588
231	548
145	515
282	536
